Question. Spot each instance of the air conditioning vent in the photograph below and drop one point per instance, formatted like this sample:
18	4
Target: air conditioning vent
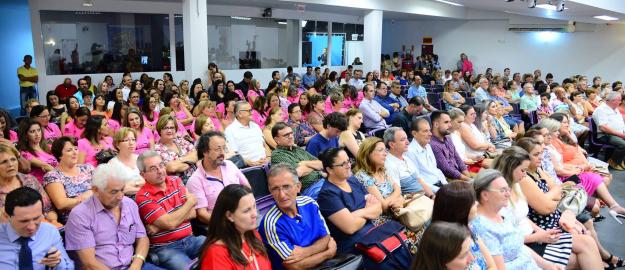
567	28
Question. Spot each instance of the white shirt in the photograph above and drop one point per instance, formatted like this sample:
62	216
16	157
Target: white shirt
604	115
459	145
126	92
247	141
358	83
398	169
425	162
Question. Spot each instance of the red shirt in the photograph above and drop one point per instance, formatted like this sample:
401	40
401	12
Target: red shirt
154	203
216	256
65	91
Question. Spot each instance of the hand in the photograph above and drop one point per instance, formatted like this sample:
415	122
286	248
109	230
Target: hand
332	245
191	198
151	229
47	167
53	259
86	195
296	255
136	264
371	200
548	236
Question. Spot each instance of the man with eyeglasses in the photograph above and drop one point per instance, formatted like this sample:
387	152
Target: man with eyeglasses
245	137
307	166
166	208
293	230
214	172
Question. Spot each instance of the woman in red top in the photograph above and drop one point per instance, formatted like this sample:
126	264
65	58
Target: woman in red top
232	241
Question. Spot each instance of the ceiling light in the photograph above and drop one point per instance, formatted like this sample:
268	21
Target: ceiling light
240	18
548	7
450	3
606	18
303	23
281	22
87	3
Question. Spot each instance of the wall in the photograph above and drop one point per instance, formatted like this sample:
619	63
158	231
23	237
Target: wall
489	44
14	23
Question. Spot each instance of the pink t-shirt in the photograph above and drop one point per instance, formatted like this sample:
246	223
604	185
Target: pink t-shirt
43	157
151	124
84	146
72	130
206	187
51	133
216	123
181	115
114	126
259	118
253	93
294	99
143	140
12	136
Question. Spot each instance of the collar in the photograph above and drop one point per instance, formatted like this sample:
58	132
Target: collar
286	148
13	236
417	145
153	190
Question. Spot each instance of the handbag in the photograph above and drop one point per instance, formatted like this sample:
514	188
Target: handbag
384	247
416	212
574	199
343	262
105	155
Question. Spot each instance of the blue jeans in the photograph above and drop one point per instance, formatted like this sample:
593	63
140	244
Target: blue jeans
177	254
149	266
26	93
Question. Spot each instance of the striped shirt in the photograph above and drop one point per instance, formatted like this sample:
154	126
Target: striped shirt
154	203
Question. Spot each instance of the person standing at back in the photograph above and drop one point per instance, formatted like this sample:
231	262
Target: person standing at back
28	77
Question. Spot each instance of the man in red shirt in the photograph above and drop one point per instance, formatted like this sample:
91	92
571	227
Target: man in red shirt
65	90
166	207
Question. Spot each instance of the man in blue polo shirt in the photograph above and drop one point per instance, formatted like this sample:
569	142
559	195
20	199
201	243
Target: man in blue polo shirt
294	232
333	125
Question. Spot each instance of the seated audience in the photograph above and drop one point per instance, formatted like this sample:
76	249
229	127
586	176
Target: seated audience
51	131
8	135
351	138
145	136
344	203
295	234
232	241
302	130
474	162
178	154
451	97
69	183
404	118
95	139
125	143
34	148
213	173
245	137
452	244
316	112
25	241
75	127
481	93
447	158
399	168
611	128
383	98
307	166
374	114
473	131
456	203
150	115
333	125
166	207
416	89
105	230
420	153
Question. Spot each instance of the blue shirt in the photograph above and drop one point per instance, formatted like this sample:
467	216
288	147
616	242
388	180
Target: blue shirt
309	80
418	91
281	233
318	144
386	104
480	95
46	237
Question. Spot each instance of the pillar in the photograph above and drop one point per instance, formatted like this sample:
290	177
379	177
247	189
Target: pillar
195	39
373	40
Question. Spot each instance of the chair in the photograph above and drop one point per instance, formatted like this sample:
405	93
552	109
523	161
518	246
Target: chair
469	101
435	100
438	88
257	176
516	109
595	144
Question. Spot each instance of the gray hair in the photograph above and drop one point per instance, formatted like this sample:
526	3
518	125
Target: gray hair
114	170
612	95
483	80
238	104
528	85
279	168
389	135
483	179
145	155
455	113
550	124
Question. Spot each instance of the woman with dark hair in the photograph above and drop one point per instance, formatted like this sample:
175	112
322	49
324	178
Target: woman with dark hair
34	148
274	116
51	131
95	138
72	105
69	183
316	114
293	94
445	246
456	203
180	111
258	111
134	99
304	103
225	110
76	126
5	126
99	106
150	115
219	91
144	139
275	100
196	88
117	117
138	85
255	92
199	97
55	107
232	241
345	203
159	85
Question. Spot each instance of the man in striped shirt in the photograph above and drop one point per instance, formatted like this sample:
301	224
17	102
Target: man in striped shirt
166	207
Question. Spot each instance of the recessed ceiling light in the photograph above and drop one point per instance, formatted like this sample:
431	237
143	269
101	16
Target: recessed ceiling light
606	18
450	3
240	18
282	23
548	7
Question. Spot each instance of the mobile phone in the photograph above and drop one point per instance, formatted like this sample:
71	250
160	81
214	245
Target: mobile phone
573	178
54	250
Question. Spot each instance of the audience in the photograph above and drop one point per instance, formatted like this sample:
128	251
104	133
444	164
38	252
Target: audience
144	139
333	125
352	137
51	131
447	158
398	167
445	245
177	153
307	166
245	137
374	114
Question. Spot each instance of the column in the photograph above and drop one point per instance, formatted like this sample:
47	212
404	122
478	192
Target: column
373	40
196	49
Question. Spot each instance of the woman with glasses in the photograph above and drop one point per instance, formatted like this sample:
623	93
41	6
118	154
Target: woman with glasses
35	149
177	153
345	203
69	183
213	174
125	141
134	100
51	131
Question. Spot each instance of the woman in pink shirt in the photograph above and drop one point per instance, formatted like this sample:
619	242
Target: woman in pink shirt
51	131
258	112
95	139
150	116
34	148
207	108
183	115
117	118
145	136
76	126
72	106
5	127
273	101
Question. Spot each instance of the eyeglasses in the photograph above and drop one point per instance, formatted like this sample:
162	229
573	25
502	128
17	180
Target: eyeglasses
44	116
154	169
502	190
222	148
245	110
288	134
285	189
346	164
169	128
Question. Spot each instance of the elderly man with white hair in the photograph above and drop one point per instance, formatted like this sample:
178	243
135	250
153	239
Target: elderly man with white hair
105	230
611	128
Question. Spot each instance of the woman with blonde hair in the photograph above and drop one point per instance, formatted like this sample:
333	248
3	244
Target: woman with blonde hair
274	116
208	108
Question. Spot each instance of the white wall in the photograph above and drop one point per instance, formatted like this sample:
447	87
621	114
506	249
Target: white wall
489	44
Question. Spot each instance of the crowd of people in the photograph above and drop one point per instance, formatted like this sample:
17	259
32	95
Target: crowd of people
149	174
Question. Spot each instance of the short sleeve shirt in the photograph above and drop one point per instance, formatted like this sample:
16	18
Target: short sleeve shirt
27	72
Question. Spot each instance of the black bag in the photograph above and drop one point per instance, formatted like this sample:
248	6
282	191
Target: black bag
105	155
343	262
385	247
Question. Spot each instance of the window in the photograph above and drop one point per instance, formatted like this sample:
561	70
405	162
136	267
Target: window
179	30
314	43
102	42
251	43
